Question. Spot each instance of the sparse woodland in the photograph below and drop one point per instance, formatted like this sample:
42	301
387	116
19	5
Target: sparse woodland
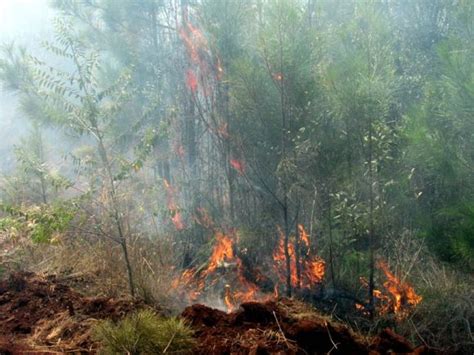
230	151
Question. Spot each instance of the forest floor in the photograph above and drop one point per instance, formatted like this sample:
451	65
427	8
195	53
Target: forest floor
42	314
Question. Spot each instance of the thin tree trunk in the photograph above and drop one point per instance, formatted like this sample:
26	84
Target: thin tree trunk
116	214
298	262
287	251
331	245
371	207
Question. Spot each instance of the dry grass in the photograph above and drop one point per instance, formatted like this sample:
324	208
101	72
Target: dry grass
444	318
96	268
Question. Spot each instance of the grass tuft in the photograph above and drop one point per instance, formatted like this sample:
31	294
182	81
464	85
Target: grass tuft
144	332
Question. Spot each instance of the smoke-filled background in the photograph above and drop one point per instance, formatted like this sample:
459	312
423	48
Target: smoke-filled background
247	149
25	23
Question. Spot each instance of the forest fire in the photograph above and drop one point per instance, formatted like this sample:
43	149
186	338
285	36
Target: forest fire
222	254
398	297
194	41
204	65
403	295
223	266
225	273
306	271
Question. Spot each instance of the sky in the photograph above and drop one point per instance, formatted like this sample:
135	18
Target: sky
27	23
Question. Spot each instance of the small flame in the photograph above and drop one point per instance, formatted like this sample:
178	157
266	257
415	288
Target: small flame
279	258
237	165
220	70
402	293
191	81
399	297
304	237
201	60
176	216
229	299
177	221
188	285
194	41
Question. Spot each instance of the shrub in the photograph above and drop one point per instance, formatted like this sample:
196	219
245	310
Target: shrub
144	332
40	222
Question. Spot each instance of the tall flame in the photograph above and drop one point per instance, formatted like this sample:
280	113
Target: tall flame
312	268
222	253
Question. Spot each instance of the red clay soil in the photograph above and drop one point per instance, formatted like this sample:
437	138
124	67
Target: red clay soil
284	327
40	315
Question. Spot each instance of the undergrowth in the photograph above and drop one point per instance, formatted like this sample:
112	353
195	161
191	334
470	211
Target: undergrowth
144	332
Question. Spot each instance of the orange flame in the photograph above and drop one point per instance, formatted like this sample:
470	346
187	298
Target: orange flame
194	41
224	258
403	295
399	297
229	299
304	237
312	268
279	258
222	253
190	288
201	59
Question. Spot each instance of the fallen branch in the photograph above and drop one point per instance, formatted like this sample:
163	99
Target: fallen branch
281	330
334	345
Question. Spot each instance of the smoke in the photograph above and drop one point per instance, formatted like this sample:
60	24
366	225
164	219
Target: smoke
25	23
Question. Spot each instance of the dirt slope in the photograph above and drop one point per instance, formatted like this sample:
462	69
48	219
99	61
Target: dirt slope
41	315
284	327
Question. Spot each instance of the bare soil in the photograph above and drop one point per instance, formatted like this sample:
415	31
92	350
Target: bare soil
285	327
40	314
43	315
